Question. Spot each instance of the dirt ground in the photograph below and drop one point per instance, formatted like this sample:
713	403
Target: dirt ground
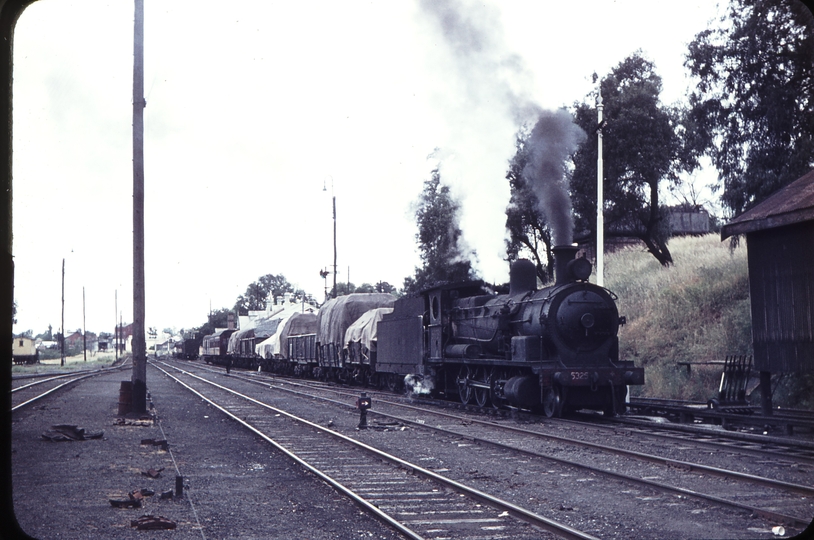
235	485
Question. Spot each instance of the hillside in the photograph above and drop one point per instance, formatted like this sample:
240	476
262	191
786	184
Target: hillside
695	310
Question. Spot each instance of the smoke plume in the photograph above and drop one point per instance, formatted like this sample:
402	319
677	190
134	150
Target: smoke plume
491	93
554	138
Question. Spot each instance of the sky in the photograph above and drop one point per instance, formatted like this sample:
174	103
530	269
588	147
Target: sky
260	112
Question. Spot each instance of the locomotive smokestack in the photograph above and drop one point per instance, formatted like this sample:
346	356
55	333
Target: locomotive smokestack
562	256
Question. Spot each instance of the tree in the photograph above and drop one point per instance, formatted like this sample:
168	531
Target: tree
642	149
439	239
47	335
216	319
385	287
528	228
268	286
753	107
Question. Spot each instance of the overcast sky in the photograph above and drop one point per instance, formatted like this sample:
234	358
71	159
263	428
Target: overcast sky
258	111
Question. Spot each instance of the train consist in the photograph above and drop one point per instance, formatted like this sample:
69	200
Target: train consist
554	349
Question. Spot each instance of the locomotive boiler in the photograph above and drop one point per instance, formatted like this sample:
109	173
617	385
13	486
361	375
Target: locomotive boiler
551	349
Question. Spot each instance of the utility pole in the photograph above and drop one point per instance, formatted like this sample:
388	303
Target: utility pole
334	201
333	197
139	378
84	329
62	339
600	199
116	325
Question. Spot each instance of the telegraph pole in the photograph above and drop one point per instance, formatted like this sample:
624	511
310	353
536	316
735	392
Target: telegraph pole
139	378
62	340
600	200
334	200
84	329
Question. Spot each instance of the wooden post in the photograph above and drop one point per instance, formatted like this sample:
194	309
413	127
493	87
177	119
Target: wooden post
766	393
116	325
139	377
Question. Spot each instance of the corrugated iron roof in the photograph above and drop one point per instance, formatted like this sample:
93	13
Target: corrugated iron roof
787	206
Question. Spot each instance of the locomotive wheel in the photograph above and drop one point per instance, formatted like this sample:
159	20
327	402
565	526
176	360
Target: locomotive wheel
482	394
464	390
494	376
553	402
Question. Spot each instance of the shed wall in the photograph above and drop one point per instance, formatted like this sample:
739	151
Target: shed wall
781	283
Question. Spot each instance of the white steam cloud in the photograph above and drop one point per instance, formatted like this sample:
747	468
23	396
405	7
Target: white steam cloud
418	385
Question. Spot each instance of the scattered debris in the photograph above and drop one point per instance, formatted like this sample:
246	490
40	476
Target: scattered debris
134	499
125	503
151	523
152	473
161	442
779	530
165	495
141	423
70	432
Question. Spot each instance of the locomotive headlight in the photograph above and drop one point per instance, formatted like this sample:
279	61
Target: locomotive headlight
587	320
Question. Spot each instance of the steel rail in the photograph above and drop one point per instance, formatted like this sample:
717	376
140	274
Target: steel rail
335	484
725	473
55	377
790	520
514	510
54	389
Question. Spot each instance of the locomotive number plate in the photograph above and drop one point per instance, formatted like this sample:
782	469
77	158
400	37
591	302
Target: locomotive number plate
579	375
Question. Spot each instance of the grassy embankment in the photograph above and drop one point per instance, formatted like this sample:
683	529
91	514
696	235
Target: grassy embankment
74	362
693	311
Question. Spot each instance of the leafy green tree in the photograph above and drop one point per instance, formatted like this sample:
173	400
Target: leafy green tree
529	231
439	239
753	107
642	149
265	287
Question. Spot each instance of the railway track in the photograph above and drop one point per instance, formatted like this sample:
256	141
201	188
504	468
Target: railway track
414	500
680	478
788	422
24	393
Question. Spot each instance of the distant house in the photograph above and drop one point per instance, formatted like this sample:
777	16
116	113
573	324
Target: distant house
24	351
124	336
689	222
74	340
685	220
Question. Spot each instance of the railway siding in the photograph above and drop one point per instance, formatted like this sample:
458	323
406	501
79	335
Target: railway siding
583	499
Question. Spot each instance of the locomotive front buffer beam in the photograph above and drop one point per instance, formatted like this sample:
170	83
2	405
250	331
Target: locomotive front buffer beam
557	390
592	377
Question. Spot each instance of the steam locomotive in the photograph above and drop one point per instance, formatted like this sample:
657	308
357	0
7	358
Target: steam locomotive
552	350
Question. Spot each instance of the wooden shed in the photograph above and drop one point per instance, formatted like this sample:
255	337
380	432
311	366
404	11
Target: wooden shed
780	251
